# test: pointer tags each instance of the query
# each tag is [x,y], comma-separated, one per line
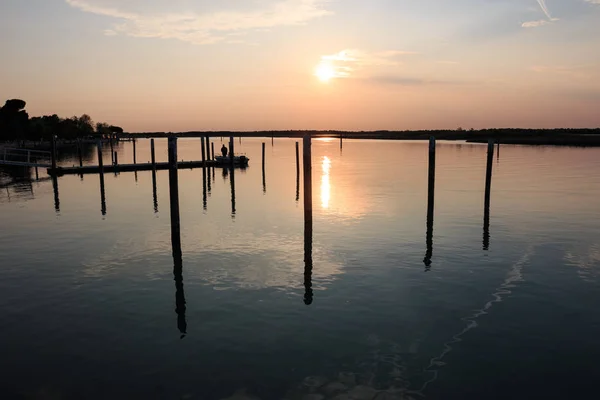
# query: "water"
[90,307]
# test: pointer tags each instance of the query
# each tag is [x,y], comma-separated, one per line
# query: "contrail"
[544,7]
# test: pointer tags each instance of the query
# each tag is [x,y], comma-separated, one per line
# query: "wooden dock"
[96,169]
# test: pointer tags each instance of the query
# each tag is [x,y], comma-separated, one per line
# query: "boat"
[238,161]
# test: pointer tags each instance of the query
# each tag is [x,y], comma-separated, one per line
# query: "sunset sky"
[180,65]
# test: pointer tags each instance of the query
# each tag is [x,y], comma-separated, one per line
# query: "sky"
[185,65]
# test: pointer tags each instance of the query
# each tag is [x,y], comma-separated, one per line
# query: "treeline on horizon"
[15,125]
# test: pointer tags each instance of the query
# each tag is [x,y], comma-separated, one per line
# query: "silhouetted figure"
[224,151]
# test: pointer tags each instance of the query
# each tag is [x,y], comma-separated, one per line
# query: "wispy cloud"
[586,72]
[200,27]
[400,80]
[542,22]
[344,63]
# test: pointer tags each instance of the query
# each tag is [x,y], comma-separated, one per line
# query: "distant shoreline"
[550,137]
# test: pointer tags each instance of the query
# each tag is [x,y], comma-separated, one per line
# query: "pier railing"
[25,157]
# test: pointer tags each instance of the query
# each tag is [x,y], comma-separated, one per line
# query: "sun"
[325,72]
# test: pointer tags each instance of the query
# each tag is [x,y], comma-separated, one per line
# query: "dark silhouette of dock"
[95,169]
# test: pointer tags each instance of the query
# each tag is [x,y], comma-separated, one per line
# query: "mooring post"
[53,155]
[498,150]
[430,204]
[297,160]
[116,158]
[203,150]
[308,221]
[341,143]
[263,156]
[112,150]
[176,237]
[37,176]
[174,196]
[152,154]
[272,140]
[488,189]
[208,148]
[212,147]
[231,155]
[80,152]
[134,152]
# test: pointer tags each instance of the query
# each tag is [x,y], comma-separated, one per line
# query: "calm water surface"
[90,308]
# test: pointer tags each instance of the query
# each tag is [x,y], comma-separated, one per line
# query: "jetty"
[96,169]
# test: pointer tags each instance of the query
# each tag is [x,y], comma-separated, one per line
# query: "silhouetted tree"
[14,120]
[103,129]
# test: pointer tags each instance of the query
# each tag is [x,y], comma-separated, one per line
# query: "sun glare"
[325,72]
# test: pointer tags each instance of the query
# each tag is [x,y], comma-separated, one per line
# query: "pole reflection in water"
[488,188]
[101,167]
[180,307]
[55,189]
[297,186]
[232,182]
[208,181]
[204,202]
[102,194]
[297,173]
[430,205]
[154,196]
[308,223]
[264,180]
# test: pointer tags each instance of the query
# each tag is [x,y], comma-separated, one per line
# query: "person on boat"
[224,151]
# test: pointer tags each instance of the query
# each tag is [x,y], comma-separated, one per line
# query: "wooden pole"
[308,221]
[112,150]
[297,160]
[100,161]
[488,189]
[80,153]
[174,195]
[430,204]
[53,155]
[263,156]
[231,155]
[208,147]
[152,154]
[212,147]
[176,237]
[116,158]
[203,149]
[134,153]
[341,144]
[272,141]
[498,151]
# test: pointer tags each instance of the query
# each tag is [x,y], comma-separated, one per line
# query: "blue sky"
[305,64]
